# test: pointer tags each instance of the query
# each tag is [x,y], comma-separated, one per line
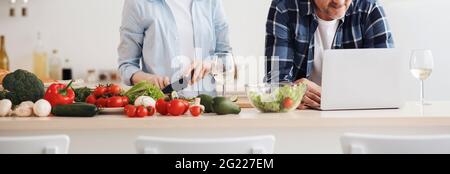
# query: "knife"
[178,85]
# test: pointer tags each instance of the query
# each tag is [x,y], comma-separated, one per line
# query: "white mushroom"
[42,108]
[145,101]
[23,111]
[5,107]
[28,104]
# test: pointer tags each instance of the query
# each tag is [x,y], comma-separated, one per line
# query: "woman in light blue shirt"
[162,40]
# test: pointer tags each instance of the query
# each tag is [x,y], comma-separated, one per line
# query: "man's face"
[332,9]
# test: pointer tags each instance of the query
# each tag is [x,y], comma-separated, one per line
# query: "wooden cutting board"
[243,102]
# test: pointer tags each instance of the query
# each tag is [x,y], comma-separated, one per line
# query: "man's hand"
[200,69]
[313,95]
[159,81]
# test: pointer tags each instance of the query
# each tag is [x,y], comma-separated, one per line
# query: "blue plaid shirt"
[291,25]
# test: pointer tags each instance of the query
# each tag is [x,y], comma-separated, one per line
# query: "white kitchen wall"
[86,31]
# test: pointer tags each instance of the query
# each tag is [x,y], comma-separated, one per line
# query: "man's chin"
[336,16]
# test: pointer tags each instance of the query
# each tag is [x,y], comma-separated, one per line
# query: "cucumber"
[75,110]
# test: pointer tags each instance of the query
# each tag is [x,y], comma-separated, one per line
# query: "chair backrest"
[56,144]
[237,145]
[384,144]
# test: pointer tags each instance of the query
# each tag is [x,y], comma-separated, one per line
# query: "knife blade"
[179,85]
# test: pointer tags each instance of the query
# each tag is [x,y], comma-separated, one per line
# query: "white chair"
[383,144]
[238,145]
[57,144]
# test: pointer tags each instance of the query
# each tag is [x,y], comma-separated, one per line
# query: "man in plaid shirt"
[298,32]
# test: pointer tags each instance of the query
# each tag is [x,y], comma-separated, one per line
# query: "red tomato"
[196,111]
[288,103]
[114,102]
[100,91]
[176,107]
[141,112]
[151,111]
[186,105]
[101,102]
[125,100]
[91,99]
[161,107]
[125,109]
[131,111]
[113,89]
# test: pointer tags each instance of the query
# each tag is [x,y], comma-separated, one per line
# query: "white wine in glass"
[421,73]
[421,66]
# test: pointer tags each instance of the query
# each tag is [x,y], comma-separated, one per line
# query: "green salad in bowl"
[276,97]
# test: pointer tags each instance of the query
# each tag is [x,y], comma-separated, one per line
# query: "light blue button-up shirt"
[149,40]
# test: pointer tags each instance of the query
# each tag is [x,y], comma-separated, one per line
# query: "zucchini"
[75,110]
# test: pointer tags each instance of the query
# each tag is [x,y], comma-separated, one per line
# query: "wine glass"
[421,66]
[223,69]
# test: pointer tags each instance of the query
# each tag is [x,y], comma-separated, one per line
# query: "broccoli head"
[3,95]
[23,86]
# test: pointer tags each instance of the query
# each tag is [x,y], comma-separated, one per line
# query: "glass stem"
[422,92]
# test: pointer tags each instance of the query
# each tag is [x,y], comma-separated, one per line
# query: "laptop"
[356,79]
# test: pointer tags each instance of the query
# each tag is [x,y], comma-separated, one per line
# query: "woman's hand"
[159,81]
[313,95]
[200,70]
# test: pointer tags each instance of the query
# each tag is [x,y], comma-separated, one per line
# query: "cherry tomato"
[151,110]
[114,102]
[125,100]
[161,107]
[141,112]
[125,109]
[288,103]
[101,102]
[100,91]
[176,107]
[196,111]
[131,111]
[91,99]
[113,89]
[186,105]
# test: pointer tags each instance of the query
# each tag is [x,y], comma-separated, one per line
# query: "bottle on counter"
[55,66]
[91,77]
[4,60]
[40,59]
[67,70]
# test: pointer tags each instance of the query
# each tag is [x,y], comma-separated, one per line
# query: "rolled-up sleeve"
[131,41]
[377,32]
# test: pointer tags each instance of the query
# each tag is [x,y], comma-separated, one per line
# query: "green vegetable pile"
[81,94]
[22,86]
[273,101]
[144,89]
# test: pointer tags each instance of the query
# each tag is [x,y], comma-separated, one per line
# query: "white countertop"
[411,115]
